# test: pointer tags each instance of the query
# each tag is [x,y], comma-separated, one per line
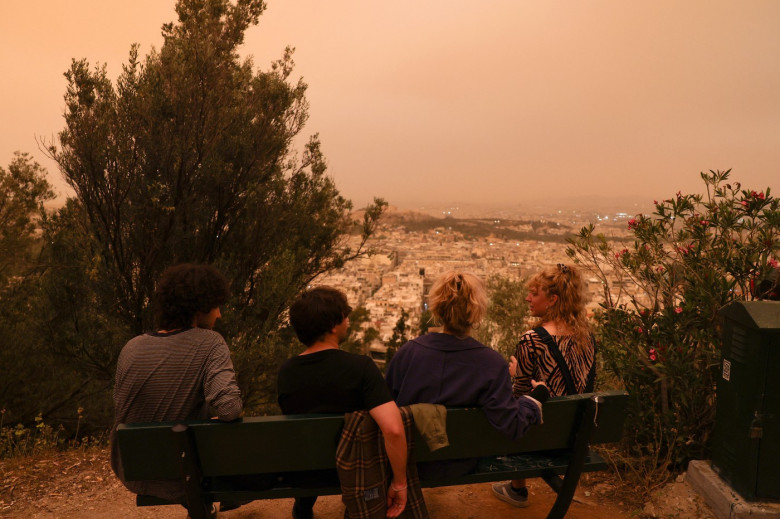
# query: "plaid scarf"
[365,473]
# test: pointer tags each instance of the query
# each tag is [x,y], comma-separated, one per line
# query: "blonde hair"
[458,301]
[565,281]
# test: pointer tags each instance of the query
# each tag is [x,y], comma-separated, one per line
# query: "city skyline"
[429,104]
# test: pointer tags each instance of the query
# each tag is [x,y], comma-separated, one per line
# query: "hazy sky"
[431,102]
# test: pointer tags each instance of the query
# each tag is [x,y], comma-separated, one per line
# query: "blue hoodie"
[439,368]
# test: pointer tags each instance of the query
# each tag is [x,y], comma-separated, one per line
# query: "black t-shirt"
[331,381]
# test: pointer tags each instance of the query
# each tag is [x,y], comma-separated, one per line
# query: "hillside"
[474,228]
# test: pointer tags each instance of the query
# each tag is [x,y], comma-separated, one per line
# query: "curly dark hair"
[316,312]
[185,289]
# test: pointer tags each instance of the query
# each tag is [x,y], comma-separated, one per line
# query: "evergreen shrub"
[687,260]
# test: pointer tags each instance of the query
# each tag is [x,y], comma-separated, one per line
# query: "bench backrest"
[273,444]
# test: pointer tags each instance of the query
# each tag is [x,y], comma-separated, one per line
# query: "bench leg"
[190,473]
[566,487]
[553,480]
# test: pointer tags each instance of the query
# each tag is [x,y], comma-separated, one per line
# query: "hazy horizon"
[504,103]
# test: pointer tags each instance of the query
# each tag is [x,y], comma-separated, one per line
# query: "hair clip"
[563,268]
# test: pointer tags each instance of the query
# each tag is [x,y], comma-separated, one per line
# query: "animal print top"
[534,361]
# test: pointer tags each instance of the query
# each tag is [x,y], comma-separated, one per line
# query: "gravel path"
[80,484]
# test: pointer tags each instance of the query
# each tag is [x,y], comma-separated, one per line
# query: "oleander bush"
[687,260]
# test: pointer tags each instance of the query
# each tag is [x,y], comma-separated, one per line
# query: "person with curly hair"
[559,351]
[180,371]
[452,368]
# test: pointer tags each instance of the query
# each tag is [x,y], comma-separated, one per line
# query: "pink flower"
[652,354]
[761,195]
[705,222]
[655,202]
[678,309]
[744,203]
[773,263]
[659,269]
[621,253]
[639,329]
[632,223]
[643,312]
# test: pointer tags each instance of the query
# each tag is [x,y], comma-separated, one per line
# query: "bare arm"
[388,418]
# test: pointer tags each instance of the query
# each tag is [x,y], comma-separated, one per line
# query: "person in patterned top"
[559,351]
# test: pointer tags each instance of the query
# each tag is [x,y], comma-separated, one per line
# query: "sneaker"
[506,493]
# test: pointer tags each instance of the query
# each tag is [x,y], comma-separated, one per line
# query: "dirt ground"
[80,484]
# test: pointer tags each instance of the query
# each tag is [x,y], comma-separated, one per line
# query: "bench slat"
[525,466]
[471,435]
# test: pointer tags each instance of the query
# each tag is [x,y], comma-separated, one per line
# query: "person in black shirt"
[324,379]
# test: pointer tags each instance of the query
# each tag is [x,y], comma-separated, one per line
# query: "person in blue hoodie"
[454,369]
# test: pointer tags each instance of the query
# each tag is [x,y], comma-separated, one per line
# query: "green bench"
[208,455]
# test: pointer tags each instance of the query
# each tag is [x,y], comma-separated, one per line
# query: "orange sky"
[433,102]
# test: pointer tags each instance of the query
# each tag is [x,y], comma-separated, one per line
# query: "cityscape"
[411,249]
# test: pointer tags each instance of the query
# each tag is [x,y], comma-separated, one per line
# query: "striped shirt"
[534,361]
[177,376]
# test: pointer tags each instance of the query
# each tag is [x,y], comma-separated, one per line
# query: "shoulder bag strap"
[547,339]
[592,373]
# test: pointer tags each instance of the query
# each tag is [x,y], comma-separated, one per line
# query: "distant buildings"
[398,276]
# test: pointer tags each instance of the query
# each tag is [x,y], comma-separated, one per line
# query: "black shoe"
[225,506]
[302,514]
[212,513]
